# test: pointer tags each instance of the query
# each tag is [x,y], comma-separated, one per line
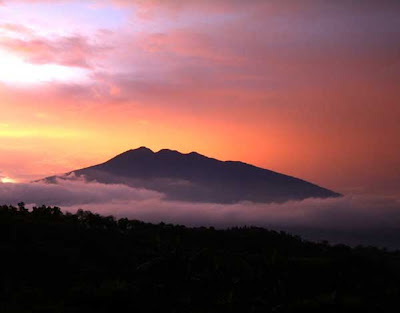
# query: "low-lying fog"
[352,219]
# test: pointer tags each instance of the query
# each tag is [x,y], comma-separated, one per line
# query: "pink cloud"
[74,51]
[15,28]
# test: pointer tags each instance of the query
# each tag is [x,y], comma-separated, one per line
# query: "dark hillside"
[55,262]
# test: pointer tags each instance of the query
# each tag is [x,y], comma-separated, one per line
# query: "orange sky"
[307,88]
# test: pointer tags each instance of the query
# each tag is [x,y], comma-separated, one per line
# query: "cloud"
[353,219]
[71,193]
[15,28]
[149,8]
[75,51]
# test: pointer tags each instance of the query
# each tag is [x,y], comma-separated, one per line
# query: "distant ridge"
[195,177]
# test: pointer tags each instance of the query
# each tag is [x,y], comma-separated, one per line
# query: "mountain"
[195,177]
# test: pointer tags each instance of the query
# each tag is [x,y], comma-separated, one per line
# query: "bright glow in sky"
[310,89]
[14,70]
[8,180]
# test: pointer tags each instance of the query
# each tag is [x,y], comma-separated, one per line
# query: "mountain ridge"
[195,177]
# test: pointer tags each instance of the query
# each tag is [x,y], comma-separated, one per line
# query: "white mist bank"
[352,219]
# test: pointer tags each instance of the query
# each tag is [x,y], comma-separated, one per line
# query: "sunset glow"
[8,180]
[16,71]
[200,155]
[308,90]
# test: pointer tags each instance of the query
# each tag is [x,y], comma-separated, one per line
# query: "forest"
[54,261]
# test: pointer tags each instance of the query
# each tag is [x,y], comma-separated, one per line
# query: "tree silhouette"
[85,262]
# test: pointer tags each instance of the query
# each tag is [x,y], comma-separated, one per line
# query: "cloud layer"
[350,219]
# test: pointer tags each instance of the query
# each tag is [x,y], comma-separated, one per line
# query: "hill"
[84,262]
[194,177]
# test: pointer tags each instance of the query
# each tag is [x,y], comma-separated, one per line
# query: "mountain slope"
[194,177]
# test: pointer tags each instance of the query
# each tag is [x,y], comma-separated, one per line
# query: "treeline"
[85,262]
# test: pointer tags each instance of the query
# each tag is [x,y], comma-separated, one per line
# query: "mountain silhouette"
[195,177]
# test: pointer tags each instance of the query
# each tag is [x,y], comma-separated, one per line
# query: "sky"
[306,88]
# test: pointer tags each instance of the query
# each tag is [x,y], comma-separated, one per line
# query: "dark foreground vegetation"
[83,262]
